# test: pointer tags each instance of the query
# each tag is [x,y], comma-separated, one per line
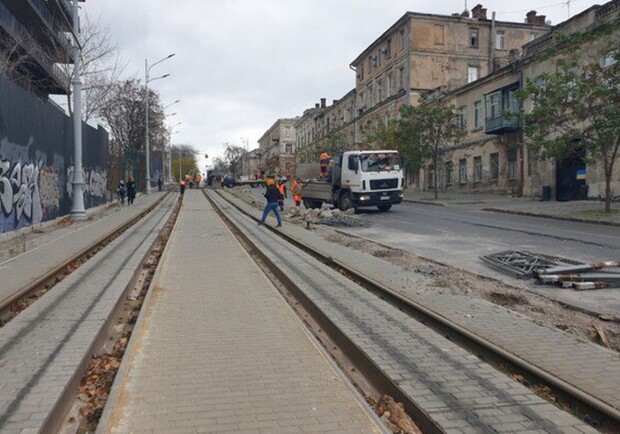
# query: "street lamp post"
[247,162]
[147,69]
[77,209]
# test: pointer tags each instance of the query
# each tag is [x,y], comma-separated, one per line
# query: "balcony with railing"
[502,111]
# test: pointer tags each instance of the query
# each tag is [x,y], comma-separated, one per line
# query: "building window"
[462,171]
[448,169]
[390,86]
[493,105]
[379,91]
[401,78]
[494,166]
[438,34]
[377,58]
[369,64]
[362,72]
[477,114]
[500,40]
[533,36]
[477,169]
[463,117]
[388,49]
[472,73]
[473,38]
[401,39]
[512,164]
[289,148]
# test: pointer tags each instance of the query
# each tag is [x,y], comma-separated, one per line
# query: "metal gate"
[570,178]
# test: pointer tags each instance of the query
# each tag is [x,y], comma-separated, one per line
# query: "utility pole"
[77,209]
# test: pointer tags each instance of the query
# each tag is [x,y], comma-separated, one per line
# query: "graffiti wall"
[36,160]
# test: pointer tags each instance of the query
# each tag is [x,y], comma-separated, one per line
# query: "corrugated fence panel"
[36,160]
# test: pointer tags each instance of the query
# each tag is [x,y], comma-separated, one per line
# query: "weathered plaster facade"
[277,147]
[493,156]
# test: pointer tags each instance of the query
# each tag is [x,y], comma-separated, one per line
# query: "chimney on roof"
[532,18]
[316,105]
[335,102]
[323,100]
[479,12]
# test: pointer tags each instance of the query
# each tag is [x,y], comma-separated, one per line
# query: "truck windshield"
[380,162]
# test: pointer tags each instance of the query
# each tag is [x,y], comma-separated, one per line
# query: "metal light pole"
[77,209]
[147,69]
[244,139]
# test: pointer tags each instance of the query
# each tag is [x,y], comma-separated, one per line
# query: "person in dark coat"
[121,192]
[160,183]
[272,194]
[131,190]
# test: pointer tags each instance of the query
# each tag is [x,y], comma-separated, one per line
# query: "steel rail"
[467,336]
[8,301]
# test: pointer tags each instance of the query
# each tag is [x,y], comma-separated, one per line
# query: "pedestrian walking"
[121,192]
[297,190]
[182,186]
[131,190]
[160,183]
[272,194]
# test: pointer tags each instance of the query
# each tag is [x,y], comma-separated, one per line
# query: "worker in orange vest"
[324,163]
[182,186]
[296,189]
[282,190]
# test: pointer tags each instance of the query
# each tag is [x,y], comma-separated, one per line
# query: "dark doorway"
[570,178]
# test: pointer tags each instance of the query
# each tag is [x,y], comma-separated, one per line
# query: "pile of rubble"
[326,215]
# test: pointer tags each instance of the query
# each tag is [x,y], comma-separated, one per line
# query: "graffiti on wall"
[31,193]
[20,201]
[95,182]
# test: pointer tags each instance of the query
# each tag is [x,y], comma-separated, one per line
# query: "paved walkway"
[217,349]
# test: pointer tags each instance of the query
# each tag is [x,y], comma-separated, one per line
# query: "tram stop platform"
[217,349]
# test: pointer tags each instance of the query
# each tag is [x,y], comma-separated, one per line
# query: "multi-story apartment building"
[277,147]
[421,52]
[494,156]
[418,53]
[325,127]
[33,39]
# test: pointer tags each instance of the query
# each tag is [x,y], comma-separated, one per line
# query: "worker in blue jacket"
[272,194]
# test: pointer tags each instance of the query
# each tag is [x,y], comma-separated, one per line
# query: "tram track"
[23,297]
[48,348]
[587,407]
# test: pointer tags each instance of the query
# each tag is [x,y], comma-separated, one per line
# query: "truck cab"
[359,179]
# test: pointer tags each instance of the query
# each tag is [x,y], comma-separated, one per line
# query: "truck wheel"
[345,201]
[384,207]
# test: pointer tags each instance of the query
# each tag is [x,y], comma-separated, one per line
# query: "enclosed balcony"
[502,111]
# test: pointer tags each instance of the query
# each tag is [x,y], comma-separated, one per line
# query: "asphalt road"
[459,235]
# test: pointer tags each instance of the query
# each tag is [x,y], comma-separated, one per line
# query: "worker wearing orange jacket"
[324,163]
[296,189]
[282,189]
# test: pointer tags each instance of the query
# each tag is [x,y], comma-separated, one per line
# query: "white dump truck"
[356,179]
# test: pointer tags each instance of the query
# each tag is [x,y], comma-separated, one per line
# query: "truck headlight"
[401,195]
[365,197]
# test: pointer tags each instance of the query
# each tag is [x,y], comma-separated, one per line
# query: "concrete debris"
[326,215]
[563,272]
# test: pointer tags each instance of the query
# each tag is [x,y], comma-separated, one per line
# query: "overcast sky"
[240,65]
